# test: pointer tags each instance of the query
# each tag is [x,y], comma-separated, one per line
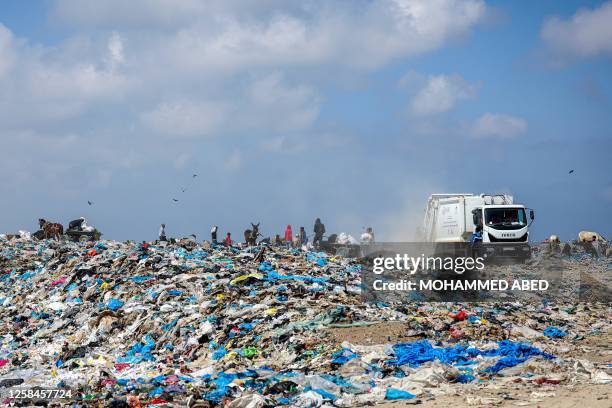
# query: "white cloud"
[112,63]
[58,83]
[115,51]
[281,107]
[499,126]
[588,33]
[238,34]
[440,94]
[133,13]
[7,53]
[186,118]
[267,104]
[139,71]
[53,160]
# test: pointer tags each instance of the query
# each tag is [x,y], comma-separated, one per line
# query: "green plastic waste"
[249,352]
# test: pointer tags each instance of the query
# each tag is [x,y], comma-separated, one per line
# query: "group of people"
[213,232]
[301,238]
[226,241]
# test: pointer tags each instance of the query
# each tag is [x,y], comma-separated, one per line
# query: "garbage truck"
[451,219]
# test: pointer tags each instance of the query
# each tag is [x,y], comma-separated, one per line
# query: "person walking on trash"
[228,239]
[213,234]
[162,232]
[288,235]
[319,230]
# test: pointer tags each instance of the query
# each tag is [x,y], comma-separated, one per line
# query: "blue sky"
[350,111]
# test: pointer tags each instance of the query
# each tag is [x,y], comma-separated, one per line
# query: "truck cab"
[451,220]
[505,230]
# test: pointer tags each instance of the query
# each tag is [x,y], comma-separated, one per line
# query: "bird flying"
[571,171]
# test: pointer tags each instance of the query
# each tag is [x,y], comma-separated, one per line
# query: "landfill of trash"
[203,325]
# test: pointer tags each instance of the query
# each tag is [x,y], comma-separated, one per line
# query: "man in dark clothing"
[319,230]
[76,225]
[213,234]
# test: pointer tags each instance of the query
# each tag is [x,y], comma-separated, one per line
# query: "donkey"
[50,229]
[250,235]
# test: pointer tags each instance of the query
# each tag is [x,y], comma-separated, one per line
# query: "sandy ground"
[555,396]
[379,333]
[597,349]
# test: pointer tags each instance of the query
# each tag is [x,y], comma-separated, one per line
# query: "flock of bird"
[184,189]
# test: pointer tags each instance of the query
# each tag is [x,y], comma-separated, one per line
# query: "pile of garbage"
[205,325]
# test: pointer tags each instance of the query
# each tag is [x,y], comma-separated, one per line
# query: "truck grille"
[519,239]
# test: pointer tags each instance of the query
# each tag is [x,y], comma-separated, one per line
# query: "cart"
[83,236]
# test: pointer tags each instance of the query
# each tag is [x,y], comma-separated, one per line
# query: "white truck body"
[452,218]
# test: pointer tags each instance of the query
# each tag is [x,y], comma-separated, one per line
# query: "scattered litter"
[176,322]
[554,332]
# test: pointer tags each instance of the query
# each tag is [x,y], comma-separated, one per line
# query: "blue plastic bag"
[554,333]
[395,394]
[115,304]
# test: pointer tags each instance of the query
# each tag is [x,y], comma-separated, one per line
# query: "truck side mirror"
[531,215]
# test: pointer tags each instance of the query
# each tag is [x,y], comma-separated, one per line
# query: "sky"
[351,111]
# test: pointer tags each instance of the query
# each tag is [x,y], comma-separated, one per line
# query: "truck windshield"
[505,218]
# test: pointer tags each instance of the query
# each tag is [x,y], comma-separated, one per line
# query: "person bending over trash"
[76,225]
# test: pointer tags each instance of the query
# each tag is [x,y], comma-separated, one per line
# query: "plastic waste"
[309,399]
[248,401]
[180,321]
[394,395]
[554,332]
[346,239]
[115,304]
